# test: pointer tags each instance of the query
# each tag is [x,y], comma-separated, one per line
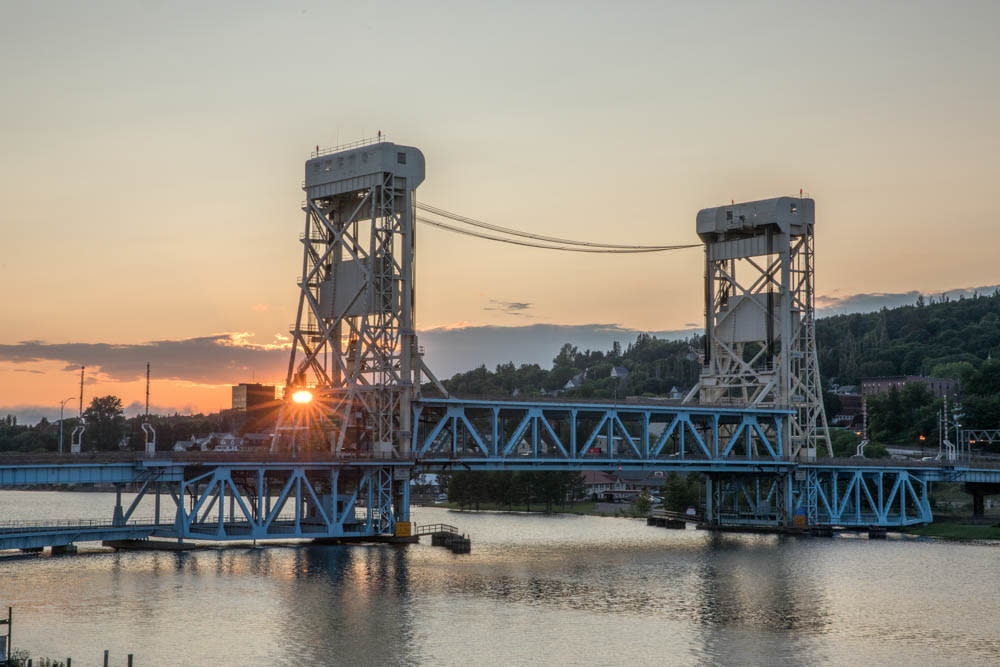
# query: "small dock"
[679,521]
[446,535]
[673,520]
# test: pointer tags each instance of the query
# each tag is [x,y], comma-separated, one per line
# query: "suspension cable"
[603,249]
[538,237]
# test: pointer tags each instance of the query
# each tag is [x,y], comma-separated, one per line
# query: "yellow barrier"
[404,529]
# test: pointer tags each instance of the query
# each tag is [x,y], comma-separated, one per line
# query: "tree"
[642,504]
[105,420]
[681,492]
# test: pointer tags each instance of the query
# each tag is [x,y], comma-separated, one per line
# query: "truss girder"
[867,496]
[567,434]
[755,500]
[283,502]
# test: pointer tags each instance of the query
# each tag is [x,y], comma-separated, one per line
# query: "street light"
[62,404]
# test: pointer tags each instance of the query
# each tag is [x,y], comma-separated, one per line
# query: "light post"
[62,404]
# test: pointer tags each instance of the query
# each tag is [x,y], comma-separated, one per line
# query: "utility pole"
[76,439]
[62,405]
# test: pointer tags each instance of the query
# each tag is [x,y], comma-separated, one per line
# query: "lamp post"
[62,404]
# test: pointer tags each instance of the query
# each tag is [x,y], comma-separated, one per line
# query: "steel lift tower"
[354,345]
[760,339]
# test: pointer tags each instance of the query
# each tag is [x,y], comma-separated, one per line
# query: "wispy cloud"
[216,359]
[509,307]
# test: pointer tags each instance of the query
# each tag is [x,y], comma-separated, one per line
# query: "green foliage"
[105,420]
[956,531]
[681,491]
[911,340]
[15,437]
[903,416]
[21,658]
[845,445]
[642,504]
[655,366]
[106,411]
[505,488]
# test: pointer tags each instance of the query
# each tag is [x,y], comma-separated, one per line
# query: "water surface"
[535,589]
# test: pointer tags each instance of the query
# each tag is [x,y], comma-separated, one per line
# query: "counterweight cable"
[536,237]
[600,249]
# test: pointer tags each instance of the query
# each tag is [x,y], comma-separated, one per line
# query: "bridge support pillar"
[979,491]
[403,508]
[119,517]
[978,505]
[709,500]
[788,506]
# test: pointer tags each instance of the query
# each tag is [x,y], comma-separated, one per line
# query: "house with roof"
[619,372]
[574,382]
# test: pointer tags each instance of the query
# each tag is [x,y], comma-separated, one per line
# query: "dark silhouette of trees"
[105,420]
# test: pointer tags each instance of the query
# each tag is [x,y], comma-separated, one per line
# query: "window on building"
[401,158]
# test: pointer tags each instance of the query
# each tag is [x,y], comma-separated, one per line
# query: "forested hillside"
[947,338]
[943,339]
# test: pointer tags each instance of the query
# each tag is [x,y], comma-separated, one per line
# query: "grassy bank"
[574,508]
[956,531]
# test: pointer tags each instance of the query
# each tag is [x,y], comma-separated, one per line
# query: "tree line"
[107,429]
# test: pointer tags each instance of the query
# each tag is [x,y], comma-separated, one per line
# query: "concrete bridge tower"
[760,339]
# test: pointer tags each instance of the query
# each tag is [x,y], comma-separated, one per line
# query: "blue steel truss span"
[222,497]
[492,434]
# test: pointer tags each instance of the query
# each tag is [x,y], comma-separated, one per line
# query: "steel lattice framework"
[353,341]
[760,340]
[561,435]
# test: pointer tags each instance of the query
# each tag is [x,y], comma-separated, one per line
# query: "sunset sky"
[152,154]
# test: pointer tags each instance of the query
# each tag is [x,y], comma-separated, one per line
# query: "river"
[535,590]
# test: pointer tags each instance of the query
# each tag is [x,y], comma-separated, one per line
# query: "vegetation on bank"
[586,507]
[107,429]
[956,531]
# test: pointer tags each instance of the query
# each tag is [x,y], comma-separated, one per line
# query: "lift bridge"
[363,412]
